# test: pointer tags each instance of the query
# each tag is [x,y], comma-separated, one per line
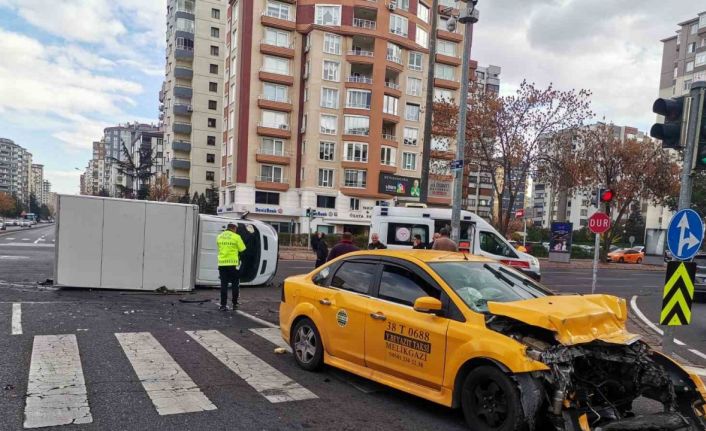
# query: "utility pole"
[428,105]
[468,17]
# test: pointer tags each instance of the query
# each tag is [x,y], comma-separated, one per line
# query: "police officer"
[230,245]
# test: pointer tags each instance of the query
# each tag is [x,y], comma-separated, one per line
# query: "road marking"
[696,370]
[697,353]
[56,390]
[257,319]
[169,387]
[636,310]
[273,335]
[39,239]
[5,257]
[16,318]
[9,239]
[265,379]
[21,244]
[25,239]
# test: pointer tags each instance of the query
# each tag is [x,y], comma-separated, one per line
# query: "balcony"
[394,59]
[183,182]
[278,20]
[393,89]
[183,109]
[446,83]
[183,91]
[183,72]
[265,102]
[271,156]
[447,35]
[364,23]
[183,146]
[184,52]
[272,48]
[182,128]
[361,79]
[360,55]
[274,130]
[180,164]
[273,183]
[276,76]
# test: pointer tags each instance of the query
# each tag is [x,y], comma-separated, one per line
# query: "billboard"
[560,240]
[440,189]
[398,185]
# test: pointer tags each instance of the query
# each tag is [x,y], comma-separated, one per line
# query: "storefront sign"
[267,210]
[397,185]
[440,189]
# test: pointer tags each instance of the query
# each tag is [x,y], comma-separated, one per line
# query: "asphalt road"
[118,396]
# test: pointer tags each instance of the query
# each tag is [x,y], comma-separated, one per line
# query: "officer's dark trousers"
[229,276]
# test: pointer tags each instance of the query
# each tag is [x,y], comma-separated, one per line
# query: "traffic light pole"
[691,108]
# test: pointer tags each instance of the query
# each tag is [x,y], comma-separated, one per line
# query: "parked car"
[640,248]
[700,282]
[626,255]
[25,223]
[2,225]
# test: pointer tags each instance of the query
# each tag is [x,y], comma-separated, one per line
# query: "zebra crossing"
[57,390]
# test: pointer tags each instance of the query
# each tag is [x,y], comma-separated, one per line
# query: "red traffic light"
[607,195]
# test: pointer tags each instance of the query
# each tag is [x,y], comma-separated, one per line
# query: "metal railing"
[398,32]
[360,79]
[271,179]
[394,59]
[274,126]
[274,99]
[277,15]
[273,43]
[272,152]
[393,85]
[358,132]
[361,52]
[364,23]
[389,137]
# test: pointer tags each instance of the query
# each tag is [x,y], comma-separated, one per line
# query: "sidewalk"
[296,253]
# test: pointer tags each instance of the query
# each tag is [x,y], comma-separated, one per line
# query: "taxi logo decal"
[342,318]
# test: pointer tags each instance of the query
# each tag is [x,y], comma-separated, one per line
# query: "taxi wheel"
[491,401]
[621,260]
[306,345]
[639,260]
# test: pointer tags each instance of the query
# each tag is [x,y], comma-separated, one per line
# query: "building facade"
[192,94]
[15,170]
[37,187]
[324,109]
[488,78]
[46,193]
[684,57]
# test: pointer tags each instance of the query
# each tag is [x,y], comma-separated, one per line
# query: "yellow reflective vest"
[230,245]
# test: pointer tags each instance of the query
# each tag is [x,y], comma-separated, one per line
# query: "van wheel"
[307,346]
[491,401]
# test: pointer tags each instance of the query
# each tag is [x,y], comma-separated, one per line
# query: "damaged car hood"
[574,319]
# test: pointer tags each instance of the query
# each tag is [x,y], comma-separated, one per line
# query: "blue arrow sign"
[685,234]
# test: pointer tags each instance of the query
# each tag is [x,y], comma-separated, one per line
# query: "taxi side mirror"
[427,304]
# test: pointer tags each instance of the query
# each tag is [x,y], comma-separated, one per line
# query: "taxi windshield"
[477,283]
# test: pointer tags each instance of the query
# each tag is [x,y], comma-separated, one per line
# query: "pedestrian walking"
[444,243]
[417,242]
[344,246]
[321,250]
[375,243]
[230,246]
[315,241]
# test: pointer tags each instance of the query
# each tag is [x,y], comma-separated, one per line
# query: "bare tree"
[160,190]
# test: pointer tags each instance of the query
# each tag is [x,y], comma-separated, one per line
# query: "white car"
[25,223]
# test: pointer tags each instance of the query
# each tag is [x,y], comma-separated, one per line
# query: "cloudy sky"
[69,68]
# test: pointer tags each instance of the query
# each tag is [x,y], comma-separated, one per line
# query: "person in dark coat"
[315,241]
[344,246]
[321,250]
[417,242]
[375,243]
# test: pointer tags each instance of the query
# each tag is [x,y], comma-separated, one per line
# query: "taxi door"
[400,341]
[345,307]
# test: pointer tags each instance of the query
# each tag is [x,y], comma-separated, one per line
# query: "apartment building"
[488,78]
[15,170]
[684,57]
[147,150]
[324,109]
[46,198]
[98,175]
[192,94]
[37,182]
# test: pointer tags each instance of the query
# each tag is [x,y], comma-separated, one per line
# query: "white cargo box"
[124,244]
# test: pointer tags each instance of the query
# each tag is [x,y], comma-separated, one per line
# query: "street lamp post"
[468,18]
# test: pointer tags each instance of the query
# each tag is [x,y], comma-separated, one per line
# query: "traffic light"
[308,212]
[700,157]
[671,132]
[607,196]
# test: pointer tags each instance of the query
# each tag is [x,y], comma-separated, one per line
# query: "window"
[687,84]
[212,105]
[387,156]
[354,204]
[356,152]
[328,15]
[325,201]
[443,95]
[491,243]
[415,61]
[266,198]
[702,21]
[210,158]
[403,286]
[213,68]
[403,234]
[325,178]
[216,13]
[389,104]
[186,25]
[358,99]
[444,71]
[275,65]
[355,277]
[271,174]
[409,161]
[689,67]
[446,48]
[329,98]
[212,122]
[398,25]
[210,176]
[423,12]
[327,151]
[272,147]
[276,37]
[303,125]
[412,112]
[185,44]
[214,50]
[700,59]
[422,37]
[355,178]
[411,134]
[414,86]
[211,141]
[275,119]
[394,53]
[690,48]
[331,70]
[694,29]
[185,6]
[278,10]
[328,124]
[213,87]
[215,32]
[356,125]
[275,92]
[332,43]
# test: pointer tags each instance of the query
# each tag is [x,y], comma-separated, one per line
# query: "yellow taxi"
[466,331]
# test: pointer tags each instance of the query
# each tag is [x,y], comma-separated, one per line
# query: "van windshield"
[477,283]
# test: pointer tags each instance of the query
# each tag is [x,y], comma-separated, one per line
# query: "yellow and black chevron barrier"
[678,293]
